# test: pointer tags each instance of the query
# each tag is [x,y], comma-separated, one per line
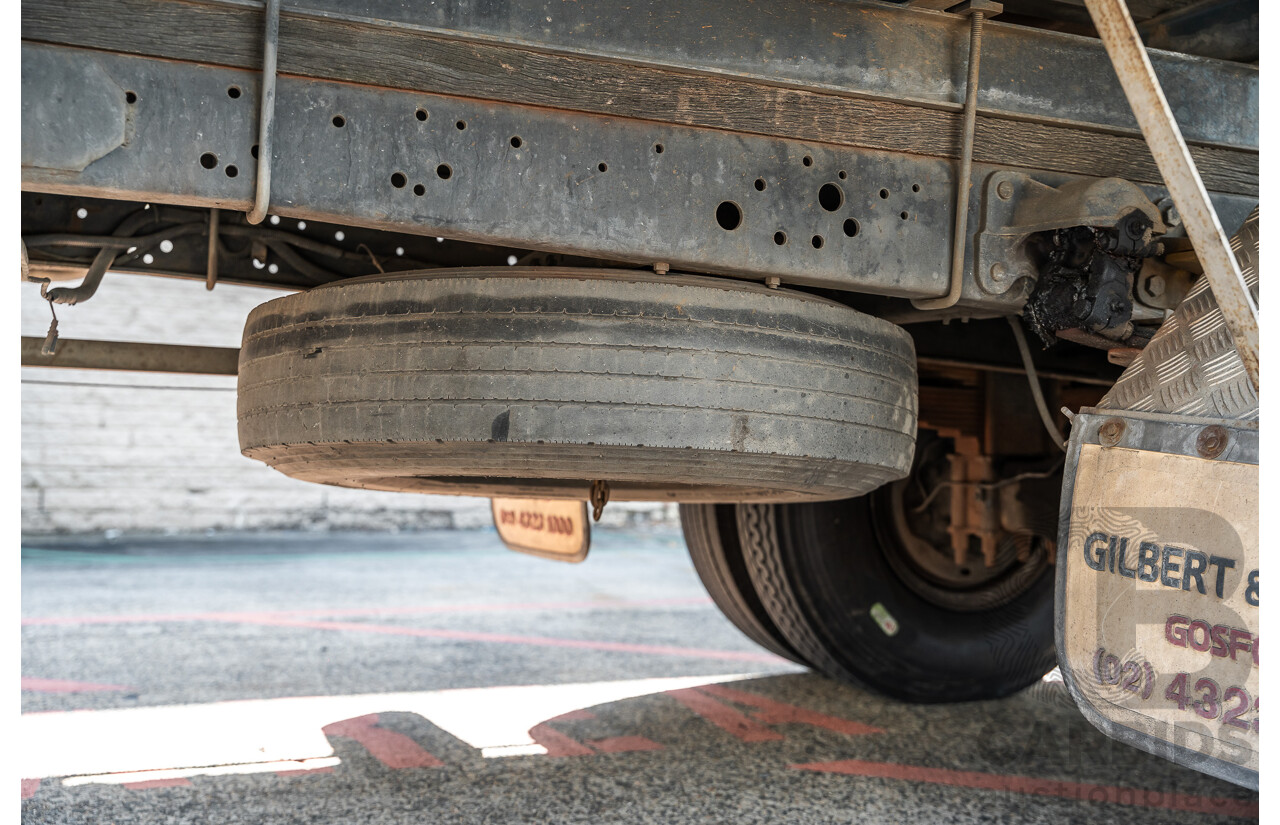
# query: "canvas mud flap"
[549,528]
[1157,600]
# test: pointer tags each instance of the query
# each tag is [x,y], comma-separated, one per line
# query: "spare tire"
[537,382]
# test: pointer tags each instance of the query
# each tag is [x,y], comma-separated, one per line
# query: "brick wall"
[149,452]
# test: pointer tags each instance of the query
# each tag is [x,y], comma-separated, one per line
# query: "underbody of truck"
[834,275]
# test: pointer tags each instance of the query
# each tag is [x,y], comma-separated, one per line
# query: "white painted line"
[233,735]
[212,770]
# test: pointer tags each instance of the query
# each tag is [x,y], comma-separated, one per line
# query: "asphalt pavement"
[437,678]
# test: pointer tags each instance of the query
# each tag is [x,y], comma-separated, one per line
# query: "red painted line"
[624,744]
[1078,791]
[395,750]
[556,743]
[772,712]
[362,611]
[146,784]
[538,641]
[305,771]
[64,686]
[724,717]
[29,788]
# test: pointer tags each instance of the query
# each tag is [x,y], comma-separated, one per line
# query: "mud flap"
[1157,585]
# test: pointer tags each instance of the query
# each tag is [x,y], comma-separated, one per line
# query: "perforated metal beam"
[697,199]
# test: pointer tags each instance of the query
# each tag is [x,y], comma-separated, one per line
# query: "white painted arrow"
[258,735]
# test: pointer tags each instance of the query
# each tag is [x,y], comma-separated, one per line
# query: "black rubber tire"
[711,534]
[539,381]
[819,568]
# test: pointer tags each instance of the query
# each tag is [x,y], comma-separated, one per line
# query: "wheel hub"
[958,567]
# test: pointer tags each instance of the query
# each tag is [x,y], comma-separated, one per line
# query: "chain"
[599,498]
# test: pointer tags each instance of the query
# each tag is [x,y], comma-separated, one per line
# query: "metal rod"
[140,243]
[102,261]
[211,273]
[957,363]
[1164,138]
[966,170]
[267,113]
[128,355]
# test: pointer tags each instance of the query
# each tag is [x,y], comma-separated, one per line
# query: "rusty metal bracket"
[1160,128]
[1017,206]
[1161,286]
[266,115]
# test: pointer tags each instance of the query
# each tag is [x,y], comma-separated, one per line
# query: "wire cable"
[1036,391]
[986,485]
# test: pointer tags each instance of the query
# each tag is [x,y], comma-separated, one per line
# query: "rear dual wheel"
[866,590]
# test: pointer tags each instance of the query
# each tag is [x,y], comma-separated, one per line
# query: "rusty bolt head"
[1004,189]
[1155,285]
[1110,433]
[1212,441]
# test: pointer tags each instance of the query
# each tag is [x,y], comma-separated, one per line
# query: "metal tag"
[1157,603]
[550,528]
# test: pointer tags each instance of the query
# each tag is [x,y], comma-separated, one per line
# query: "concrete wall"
[149,452]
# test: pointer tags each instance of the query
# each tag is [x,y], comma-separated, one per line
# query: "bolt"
[1004,189]
[773,282]
[1212,441]
[999,272]
[1172,216]
[1110,433]
[661,268]
[1155,286]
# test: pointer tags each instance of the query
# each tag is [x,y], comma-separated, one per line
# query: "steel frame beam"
[132,356]
[509,174]
[513,175]
[719,164]
[555,53]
